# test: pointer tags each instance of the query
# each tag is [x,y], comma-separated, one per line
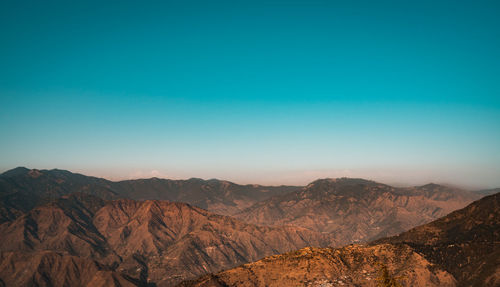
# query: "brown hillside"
[353,265]
[151,241]
[48,268]
[466,242]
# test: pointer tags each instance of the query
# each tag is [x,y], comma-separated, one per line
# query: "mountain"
[138,232]
[215,195]
[21,189]
[466,242]
[484,192]
[357,210]
[153,241]
[353,265]
[460,249]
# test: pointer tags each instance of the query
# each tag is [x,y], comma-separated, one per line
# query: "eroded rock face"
[150,241]
[354,265]
[357,210]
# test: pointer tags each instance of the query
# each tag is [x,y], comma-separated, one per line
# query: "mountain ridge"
[21,189]
[357,210]
[459,249]
[466,242]
[148,241]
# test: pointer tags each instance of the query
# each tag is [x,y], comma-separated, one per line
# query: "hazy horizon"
[385,178]
[253,91]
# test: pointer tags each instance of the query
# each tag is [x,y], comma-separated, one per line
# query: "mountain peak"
[431,186]
[341,181]
[16,171]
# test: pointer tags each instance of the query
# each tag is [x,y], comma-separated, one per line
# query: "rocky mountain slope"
[148,241]
[21,189]
[460,249]
[48,268]
[466,242]
[357,210]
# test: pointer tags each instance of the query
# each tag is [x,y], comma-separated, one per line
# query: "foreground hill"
[460,249]
[21,189]
[357,210]
[353,265]
[148,241]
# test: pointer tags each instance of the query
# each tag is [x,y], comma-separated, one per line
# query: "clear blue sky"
[253,91]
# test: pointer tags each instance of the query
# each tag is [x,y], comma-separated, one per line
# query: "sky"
[270,92]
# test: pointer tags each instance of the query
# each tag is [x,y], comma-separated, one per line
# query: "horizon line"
[115,179]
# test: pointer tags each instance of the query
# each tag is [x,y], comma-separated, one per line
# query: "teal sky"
[253,91]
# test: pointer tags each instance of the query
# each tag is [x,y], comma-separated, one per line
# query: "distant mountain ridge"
[353,210]
[21,189]
[487,191]
[357,210]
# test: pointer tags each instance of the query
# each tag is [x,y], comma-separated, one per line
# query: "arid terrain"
[466,242]
[353,265]
[357,210]
[59,228]
[460,249]
[150,241]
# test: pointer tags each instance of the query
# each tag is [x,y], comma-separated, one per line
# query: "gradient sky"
[253,91]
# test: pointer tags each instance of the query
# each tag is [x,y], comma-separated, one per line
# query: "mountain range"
[60,228]
[466,242]
[149,241]
[460,249]
[21,189]
[357,210]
